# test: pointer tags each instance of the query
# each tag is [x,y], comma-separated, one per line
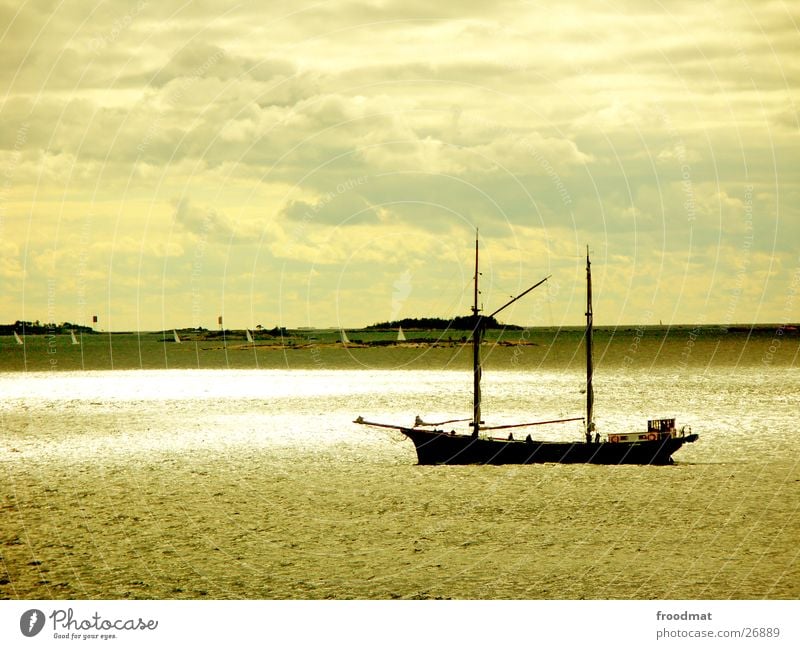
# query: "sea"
[254,482]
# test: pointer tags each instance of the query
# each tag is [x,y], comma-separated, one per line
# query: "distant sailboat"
[345,340]
[17,338]
[401,337]
[74,339]
[249,335]
[177,338]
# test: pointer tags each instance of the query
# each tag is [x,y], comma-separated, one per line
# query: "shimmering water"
[256,484]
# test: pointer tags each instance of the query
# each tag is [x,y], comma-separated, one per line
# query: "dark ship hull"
[438,447]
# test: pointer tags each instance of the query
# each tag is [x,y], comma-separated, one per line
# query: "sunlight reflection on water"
[741,416]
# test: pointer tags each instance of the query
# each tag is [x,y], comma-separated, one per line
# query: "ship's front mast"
[477,337]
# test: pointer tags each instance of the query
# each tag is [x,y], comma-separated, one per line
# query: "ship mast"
[589,365]
[477,335]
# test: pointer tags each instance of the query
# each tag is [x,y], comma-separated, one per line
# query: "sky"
[328,163]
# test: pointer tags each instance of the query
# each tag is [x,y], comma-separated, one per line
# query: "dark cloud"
[203,60]
[344,205]
[203,222]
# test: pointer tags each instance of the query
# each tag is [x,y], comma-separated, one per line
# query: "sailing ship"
[18,339]
[401,337]
[249,336]
[435,445]
[73,338]
[176,336]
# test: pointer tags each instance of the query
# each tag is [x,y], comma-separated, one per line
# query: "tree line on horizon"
[459,323]
[35,327]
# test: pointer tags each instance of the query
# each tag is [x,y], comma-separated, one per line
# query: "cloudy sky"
[327,163]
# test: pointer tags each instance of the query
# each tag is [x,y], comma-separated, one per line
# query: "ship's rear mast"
[477,336]
[589,361]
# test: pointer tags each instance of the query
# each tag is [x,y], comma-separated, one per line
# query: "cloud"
[202,221]
[344,206]
[10,267]
[204,60]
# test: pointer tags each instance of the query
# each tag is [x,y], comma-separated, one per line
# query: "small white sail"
[345,340]
[17,338]
[249,335]
[177,338]
[400,335]
[74,339]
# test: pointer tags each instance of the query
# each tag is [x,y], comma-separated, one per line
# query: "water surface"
[256,484]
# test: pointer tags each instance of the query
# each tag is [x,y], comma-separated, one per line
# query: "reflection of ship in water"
[434,445]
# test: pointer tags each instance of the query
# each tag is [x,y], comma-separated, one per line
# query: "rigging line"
[419,422]
[453,303]
[533,423]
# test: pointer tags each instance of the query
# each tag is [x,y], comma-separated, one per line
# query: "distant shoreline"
[636,347]
[200,333]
